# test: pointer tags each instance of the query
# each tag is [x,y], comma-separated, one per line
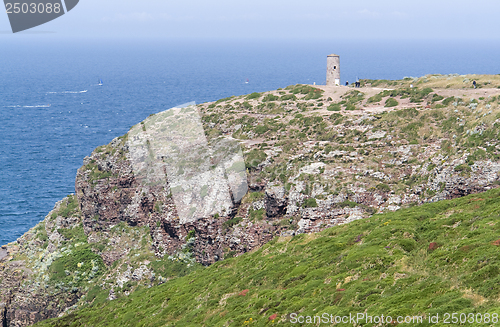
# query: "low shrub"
[254,95]
[391,102]
[310,203]
[334,107]
[254,158]
[270,97]
[383,187]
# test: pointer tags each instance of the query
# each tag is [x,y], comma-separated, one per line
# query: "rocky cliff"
[315,157]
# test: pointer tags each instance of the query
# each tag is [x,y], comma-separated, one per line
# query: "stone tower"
[333,70]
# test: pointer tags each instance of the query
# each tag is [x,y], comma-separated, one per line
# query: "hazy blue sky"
[458,19]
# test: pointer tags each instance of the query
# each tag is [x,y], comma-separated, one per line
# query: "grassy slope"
[381,264]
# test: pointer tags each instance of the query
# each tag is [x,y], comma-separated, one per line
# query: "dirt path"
[472,93]
[335,92]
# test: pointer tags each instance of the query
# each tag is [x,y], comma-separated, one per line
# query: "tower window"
[334,67]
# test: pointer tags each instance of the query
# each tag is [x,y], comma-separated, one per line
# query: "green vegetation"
[349,101]
[261,129]
[436,98]
[270,97]
[246,105]
[463,168]
[256,214]
[347,204]
[224,99]
[353,97]
[253,196]
[254,158]
[287,97]
[309,91]
[74,235]
[254,95]
[448,101]
[96,173]
[375,98]
[334,107]
[391,102]
[378,82]
[479,154]
[350,106]
[231,222]
[68,208]
[159,204]
[407,113]
[41,233]
[76,269]
[314,94]
[191,234]
[415,94]
[383,187]
[436,258]
[310,203]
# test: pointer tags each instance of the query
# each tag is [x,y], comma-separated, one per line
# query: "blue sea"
[53,113]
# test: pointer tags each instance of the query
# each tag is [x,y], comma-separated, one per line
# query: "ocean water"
[53,113]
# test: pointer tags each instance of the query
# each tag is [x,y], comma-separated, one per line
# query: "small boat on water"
[247,81]
[100,82]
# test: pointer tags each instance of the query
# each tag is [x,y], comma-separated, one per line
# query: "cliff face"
[315,157]
[120,197]
[27,293]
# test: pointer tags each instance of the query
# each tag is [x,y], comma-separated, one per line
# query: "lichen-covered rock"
[26,296]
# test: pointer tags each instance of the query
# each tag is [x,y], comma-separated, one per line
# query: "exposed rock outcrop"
[276,201]
[307,169]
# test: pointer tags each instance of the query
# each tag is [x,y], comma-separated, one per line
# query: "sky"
[277,19]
